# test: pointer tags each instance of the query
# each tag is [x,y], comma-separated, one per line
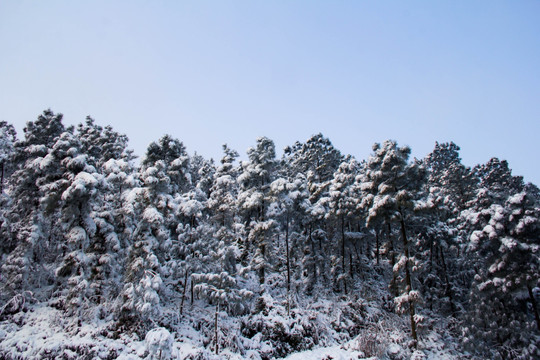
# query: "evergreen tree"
[317,154]
[8,137]
[254,179]
[343,204]
[504,250]
[289,208]
[391,185]
[21,269]
[102,144]
[317,159]
[449,189]
[202,173]
[142,278]
[164,174]
[108,151]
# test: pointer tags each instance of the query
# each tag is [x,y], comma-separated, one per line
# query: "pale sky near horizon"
[214,72]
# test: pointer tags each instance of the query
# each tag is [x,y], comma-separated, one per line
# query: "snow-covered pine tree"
[503,251]
[102,144]
[391,185]
[8,137]
[451,183]
[28,226]
[255,178]
[116,221]
[317,154]
[202,173]
[195,239]
[142,277]
[107,151]
[222,205]
[224,191]
[289,208]
[164,174]
[69,190]
[317,159]
[343,204]
[218,275]
[450,187]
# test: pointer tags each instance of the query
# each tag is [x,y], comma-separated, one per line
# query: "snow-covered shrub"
[159,343]
[274,334]
[350,318]
[371,342]
[16,304]
[396,352]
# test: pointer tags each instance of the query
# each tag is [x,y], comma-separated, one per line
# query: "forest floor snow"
[43,332]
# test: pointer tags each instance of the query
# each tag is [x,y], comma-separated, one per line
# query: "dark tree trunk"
[343,253]
[287,253]
[216,328]
[535,307]
[351,272]
[192,291]
[408,279]
[1,177]
[184,293]
[377,251]
[288,263]
[448,286]
[312,243]
[261,270]
[393,285]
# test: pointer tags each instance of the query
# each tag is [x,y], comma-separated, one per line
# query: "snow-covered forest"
[314,255]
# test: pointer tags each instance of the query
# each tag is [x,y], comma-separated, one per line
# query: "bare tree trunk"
[287,254]
[408,279]
[184,293]
[377,251]
[262,275]
[448,286]
[343,253]
[315,278]
[216,329]
[192,291]
[393,285]
[1,178]
[351,272]
[288,263]
[535,307]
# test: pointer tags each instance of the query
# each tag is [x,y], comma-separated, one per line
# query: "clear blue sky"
[214,72]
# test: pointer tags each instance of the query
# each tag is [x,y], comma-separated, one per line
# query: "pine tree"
[253,201]
[164,174]
[449,189]
[391,185]
[504,250]
[316,159]
[102,144]
[317,154]
[343,204]
[107,151]
[202,173]
[224,191]
[21,269]
[69,189]
[289,208]
[8,137]
[142,278]
[451,183]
